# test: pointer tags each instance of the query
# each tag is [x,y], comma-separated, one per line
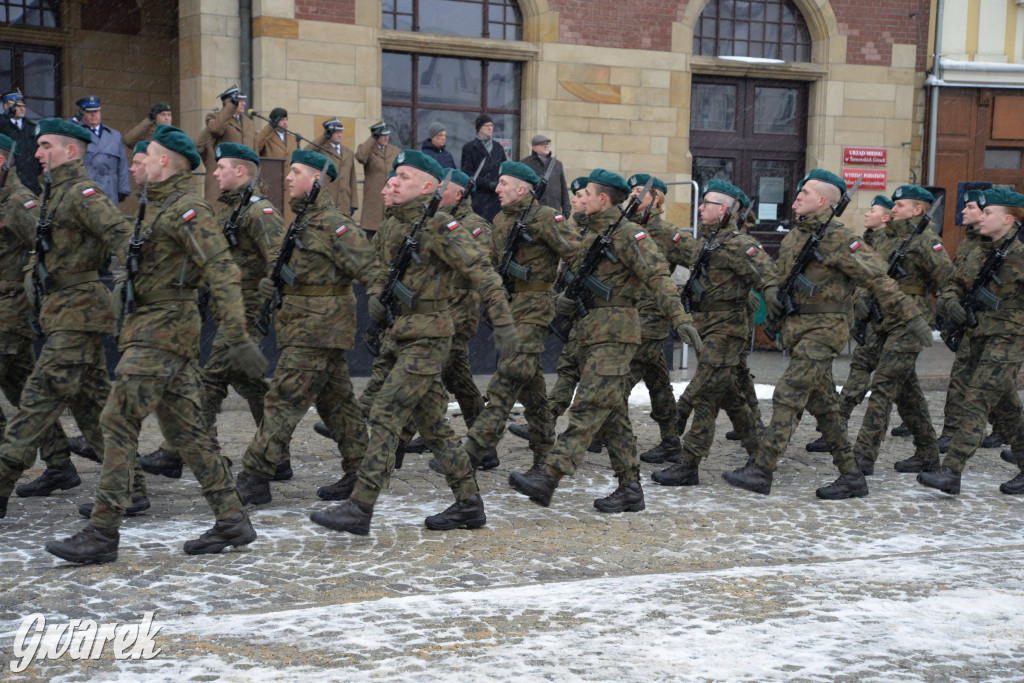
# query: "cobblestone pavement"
[709,582]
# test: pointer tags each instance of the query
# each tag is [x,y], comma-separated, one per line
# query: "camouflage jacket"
[260,230]
[737,264]
[86,226]
[332,252]
[182,248]
[465,303]
[678,248]
[641,271]
[846,263]
[446,249]
[532,302]
[19,210]
[972,238]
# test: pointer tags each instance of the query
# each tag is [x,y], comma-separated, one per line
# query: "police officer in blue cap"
[105,158]
[21,130]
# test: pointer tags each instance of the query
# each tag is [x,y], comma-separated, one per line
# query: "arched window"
[499,19]
[44,13]
[770,29]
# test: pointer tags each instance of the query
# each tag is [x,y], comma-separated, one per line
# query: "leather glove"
[564,306]
[753,301]
[30,288]
[506,340]
[117,299]
[772,303]
[247,359]
[688,333]
[861,310]
[954,312]
[378,312]
[353,211]
[121,196]
[921,330]
[266,288]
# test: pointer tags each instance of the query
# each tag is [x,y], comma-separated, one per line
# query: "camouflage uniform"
[895,377]
[820,331]
[182,248]
[19,211]
[71,370]
[315,327]
[521,376]
[417,345]
[609,336]
[568,366]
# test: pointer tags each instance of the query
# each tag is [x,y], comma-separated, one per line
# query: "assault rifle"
[41,278]
[509,270]
[472,184]
[584,279]
[6,168]
[133,260]
[231,225]
[979,296]
[283,275]
[693,291]
[895,271]
[796,278]
[395,292]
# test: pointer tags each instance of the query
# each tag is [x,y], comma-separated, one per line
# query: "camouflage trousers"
[307,376]
[16,363]
[598,408]
[992,388]
[148,380]
[568,370]
[650,366]
[807,383]
[959,376]
[744,386]
[519,376]
[409,386]
[457,377]
[716,387]
[71,372]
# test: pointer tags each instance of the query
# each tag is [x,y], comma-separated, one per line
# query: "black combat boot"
[681,419]
[943,479]
[79,446]
[321,429]
[849,485]
[351,516]
[400,456]
[91,545]
[1007,456]
[535,483]
[283,470]
[489,460]
[866,464]
[732,435]
[944,441]
[3,506]
[818,445]
[161,462]
[902,430]
[417,445]
[751,477]
[917,463]
[139,505]
[1013,487]
[681,474]
[61,476]
[993,440]
[627,498]
[468,513]
[235,530]
[339,490]
[253,490]
[596,445]
[522,431]
[668,449]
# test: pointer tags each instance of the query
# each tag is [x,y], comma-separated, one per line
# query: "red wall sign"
[873,179]
[875,156]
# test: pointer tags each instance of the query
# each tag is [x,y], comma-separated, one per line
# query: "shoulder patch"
[854,245]
[678,237]
[453,225]
[559,218]
[341,230]
[751,251]
[30,204]
[89,191]
[477,230]
[188,215]
[937,246]
[640,235]
[269,209]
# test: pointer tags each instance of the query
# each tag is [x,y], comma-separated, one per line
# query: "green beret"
[882,201]
[177,141]
[141,147]
[62,127]
[315,160]
[419,160]
[825,177]
[6,143]
[722,187]
[579,184]
[998,196]
[743,200]
[976,196]
[460,178]
[915,192]
[520,171]
[640,179]
[390,176]
[603,177]
[234,150]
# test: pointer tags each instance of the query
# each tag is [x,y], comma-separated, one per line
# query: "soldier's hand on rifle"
[860,309]
[266,287]
[772,303]
[951,310]
[117,300]
[753,301]
[688,333]
[378,312]
[246,358]
[506,339]
[30,286]
[921,330]
[564,306]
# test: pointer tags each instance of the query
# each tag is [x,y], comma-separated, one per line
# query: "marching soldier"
[608,340]
[315,330]
[175,248]
[818,330]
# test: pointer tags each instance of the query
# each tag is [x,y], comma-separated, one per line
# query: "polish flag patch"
[937,246]
[30,204]
[453,225]
[477,231]
[268,210]
[341,231]
[855,245]
[189,215]
[751,251]
[640,235]
[678,237]
[559,218]
[89,191]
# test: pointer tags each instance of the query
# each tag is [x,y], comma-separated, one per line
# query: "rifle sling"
[70,279]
